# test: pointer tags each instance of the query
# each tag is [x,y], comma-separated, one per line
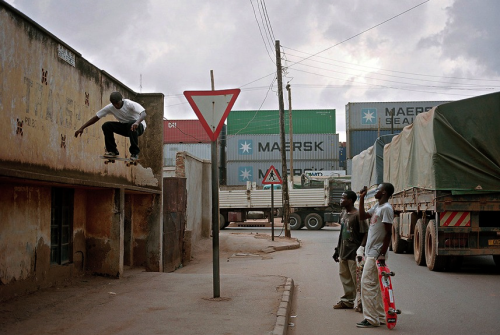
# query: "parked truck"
[445,169]
[313,202]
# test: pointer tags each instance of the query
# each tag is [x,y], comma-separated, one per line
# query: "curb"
[283,314]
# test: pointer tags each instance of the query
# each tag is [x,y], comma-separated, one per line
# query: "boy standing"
[381,216]
[352,232]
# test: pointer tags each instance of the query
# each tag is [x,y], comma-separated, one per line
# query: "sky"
[333,51]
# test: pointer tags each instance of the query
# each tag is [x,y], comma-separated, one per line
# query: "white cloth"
[371,295]
[376,234]
[130,111]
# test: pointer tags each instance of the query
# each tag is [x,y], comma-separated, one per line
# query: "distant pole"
[284,175]
[290,128]
[215,208]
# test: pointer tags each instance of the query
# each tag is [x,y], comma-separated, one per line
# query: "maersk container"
[305,121]
[238,173]
[184,131]
[377,115]
[360,140]
[267,147]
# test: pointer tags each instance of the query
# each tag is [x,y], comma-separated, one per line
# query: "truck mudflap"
[460,233]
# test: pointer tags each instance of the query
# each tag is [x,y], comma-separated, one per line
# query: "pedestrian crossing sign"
[272,177]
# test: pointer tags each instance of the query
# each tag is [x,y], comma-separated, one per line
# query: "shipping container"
[184,131]
[375,115]
[360,140]
[238,173]
[200,150]
[342,157]
[267,147]
[304,121]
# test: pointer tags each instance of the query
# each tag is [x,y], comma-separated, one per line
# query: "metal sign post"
[212,109]
[272,178]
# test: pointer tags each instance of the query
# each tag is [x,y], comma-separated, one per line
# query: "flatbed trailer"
[440,228]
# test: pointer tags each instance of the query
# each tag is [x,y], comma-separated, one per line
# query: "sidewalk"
[163,303]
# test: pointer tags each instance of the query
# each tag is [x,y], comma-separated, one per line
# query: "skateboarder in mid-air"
[131,124]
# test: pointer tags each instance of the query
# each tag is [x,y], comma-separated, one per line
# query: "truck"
[313,202]
[445,169]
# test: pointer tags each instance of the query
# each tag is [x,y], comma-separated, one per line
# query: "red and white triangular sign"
[212,108]
[272,177]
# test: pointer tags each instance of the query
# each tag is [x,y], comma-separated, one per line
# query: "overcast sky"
[439,50]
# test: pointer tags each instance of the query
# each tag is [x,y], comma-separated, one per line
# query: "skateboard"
[391,313]
[127,161]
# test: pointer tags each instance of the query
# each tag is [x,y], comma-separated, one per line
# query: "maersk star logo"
[368,116]
[245,147]
[245,173]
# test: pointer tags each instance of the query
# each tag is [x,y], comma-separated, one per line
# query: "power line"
[386,70]
[364,31]
[263,40]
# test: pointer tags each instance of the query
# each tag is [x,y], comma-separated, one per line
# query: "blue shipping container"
[360,140]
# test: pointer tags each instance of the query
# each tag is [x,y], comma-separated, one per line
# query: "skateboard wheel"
[106,162]
[391,273]
[398,311]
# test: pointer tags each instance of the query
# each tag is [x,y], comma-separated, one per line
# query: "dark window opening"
[61,226]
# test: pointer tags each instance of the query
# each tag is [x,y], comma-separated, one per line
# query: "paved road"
[462,302]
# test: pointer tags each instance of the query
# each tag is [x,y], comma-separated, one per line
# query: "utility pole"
[215,210]
[284,175]
[290,127]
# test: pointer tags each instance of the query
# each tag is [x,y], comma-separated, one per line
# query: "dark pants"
[111,127]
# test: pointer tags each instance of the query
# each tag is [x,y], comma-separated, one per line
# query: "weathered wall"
[25,241]
[174,223]
[199,200]
[48,91]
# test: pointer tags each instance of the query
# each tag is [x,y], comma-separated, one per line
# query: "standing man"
[352,232]
[131,124]
[381,216]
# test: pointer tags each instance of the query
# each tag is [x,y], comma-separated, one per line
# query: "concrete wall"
[47,91]
[199,200]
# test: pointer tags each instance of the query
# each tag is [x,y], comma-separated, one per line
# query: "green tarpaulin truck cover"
[454,146]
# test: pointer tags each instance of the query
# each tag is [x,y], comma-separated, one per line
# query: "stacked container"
[366,121]
[253,143]
[185,135]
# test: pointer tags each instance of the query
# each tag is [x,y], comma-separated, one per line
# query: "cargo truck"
[445,168]
[313,202]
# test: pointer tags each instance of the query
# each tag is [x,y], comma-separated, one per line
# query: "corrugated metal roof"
[184,131]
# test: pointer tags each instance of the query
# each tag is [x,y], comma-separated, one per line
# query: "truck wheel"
[398,245]
[434,262]
[222,222]
[314,221]
[295,221]
[419,243]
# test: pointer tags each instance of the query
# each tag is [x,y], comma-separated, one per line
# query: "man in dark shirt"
[352,232]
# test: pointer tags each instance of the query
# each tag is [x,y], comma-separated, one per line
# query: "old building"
[63,211]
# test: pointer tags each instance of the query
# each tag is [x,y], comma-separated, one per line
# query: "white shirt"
[380,215]
[130,111]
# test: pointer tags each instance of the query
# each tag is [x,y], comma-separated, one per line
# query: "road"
[462,302]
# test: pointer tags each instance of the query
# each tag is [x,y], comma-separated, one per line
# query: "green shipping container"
[305,121]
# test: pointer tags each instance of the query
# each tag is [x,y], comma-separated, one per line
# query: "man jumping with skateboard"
[131,124]
[381,216]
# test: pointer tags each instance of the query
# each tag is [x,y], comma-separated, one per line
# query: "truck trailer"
[445,169]
[313,202]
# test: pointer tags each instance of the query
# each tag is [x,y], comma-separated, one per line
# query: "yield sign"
[212,108]
[272,177]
